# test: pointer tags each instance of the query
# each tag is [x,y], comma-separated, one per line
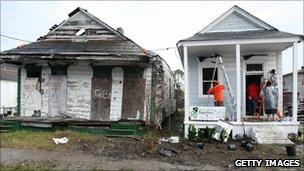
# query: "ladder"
[227,85]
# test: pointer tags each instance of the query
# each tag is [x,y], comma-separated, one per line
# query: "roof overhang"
[228,46]
[240,41]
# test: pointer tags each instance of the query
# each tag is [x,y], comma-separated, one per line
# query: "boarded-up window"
[207,74]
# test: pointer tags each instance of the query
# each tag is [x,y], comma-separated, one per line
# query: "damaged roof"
[113,47]
[82,34]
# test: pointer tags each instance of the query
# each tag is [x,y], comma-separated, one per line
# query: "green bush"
[192,133]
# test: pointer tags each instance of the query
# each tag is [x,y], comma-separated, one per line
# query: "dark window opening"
[33,71]
[132,72]
[102,71]
[59,69]
[207,74]
[254,67]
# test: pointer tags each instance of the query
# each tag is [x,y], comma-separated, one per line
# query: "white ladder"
[228,85]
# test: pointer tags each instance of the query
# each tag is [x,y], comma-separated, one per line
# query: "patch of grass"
[42,140]
[27,167]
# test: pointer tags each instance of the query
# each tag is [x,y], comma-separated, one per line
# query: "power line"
[13,38]
[167,48]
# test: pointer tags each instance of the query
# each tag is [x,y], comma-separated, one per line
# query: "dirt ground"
[96,152]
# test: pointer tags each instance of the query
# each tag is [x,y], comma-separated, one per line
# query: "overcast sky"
[151,24]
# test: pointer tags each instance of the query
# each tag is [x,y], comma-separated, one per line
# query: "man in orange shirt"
[218,91]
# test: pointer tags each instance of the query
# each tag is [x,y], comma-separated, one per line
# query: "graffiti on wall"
[102,94]
[58,86]
[31,96]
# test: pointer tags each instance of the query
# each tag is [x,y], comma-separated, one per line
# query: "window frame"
[200,79]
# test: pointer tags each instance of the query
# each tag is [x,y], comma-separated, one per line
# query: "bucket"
[291,150]
[200,145]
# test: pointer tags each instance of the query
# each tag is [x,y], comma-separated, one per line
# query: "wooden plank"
[133,97]
[101,98]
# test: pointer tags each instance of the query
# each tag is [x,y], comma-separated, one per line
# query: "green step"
[121,132]
[11,125]
[2,127]
[127,126]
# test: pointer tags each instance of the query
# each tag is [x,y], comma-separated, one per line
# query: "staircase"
[270,135]
[122,129]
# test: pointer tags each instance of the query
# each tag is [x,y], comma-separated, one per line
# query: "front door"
[101,98]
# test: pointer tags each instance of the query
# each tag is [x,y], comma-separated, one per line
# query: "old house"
[287,86]
[249,49]
[85,69]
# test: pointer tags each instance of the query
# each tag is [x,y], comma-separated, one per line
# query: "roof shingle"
[239,35]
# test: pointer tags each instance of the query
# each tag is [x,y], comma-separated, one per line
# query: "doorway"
[255,79]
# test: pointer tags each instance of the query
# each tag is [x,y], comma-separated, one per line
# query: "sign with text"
[207,113]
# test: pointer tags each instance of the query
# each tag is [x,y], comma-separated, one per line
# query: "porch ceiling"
[245,49]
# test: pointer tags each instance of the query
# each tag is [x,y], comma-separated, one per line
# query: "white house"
[8,88]
[249,48]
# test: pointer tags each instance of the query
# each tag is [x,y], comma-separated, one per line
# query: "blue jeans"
[252,106]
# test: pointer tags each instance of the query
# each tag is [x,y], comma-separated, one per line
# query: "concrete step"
[269,135]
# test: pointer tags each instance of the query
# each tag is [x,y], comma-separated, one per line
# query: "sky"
[151,24]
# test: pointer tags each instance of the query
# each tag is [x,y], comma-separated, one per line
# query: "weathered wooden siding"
[57,98]
[117,93]
[133,98]
[45,89]
[79,90]
[31,96]
[101,98]
[148,90]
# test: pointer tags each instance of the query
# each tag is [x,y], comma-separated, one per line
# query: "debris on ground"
[222,131]
[249,147]
[232,147]
[62,140]
[168,152]
[172,140]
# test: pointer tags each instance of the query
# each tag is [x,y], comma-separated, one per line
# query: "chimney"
[120,30]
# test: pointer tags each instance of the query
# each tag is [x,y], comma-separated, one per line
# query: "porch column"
[186,119]
[295,82]
[238,82]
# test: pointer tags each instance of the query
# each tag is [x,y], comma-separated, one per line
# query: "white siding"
[79,90]
[117,92]
[8,94]
[45,87]
[270,62]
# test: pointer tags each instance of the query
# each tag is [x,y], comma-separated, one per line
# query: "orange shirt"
[217,91]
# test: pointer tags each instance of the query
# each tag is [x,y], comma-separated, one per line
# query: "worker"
[252,96]
[273,77]
[270,98]
[218,92]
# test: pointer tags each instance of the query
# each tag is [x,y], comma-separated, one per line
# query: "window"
[207,74]
[254,67]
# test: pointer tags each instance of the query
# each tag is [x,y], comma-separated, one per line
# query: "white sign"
[207,113]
